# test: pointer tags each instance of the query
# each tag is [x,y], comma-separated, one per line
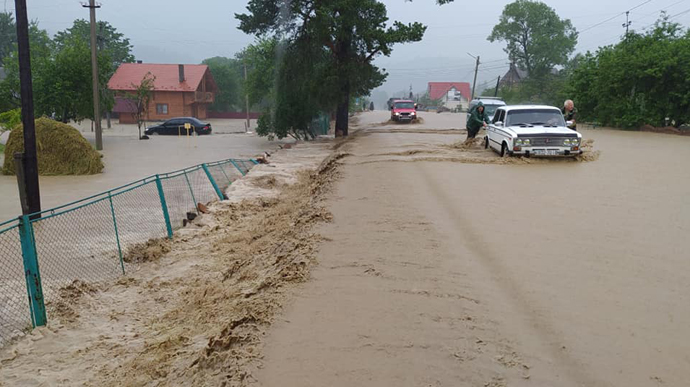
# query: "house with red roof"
[451,94]
[178,91]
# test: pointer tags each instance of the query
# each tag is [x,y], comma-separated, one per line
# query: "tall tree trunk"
[343,56]
[342,115]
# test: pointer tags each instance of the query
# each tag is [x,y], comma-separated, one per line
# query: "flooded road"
[445,267]
[127,159]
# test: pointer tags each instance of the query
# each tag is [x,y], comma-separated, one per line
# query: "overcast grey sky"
[187,31]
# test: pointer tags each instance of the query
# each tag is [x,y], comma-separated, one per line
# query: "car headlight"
[527,142]
[566,142]
[518,142]
[397,114]
[413,113]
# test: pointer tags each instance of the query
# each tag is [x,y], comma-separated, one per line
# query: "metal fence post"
[244,166]
[254,161]
[238,167]
[34,286]
[213,182]
[164,205]
[191,191]
[117,234]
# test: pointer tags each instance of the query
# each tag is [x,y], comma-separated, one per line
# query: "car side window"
[498,117]
[172,123]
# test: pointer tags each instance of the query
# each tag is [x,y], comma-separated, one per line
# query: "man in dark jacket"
[478,119]
[570,114]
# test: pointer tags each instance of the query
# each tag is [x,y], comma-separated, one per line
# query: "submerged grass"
[62,150]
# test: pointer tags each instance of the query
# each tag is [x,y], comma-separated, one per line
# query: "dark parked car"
[175,126]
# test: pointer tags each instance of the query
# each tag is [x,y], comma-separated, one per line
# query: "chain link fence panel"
[14,308]
[89,240]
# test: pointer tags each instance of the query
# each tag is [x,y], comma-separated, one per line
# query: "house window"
[161,108]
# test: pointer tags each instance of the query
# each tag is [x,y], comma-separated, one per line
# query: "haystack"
[62,150]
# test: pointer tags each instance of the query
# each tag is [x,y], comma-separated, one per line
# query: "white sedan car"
[532,130]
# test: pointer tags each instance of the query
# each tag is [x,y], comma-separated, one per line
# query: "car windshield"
[531,117]
[404,105]
[491,109]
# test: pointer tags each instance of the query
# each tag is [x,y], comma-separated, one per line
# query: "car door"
[171,126]
[495,129]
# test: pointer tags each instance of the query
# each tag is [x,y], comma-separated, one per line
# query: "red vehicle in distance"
[403,110]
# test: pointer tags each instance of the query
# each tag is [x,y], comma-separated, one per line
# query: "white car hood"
[542,130]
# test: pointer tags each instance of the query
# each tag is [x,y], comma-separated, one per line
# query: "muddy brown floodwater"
[467,272]
[442,265]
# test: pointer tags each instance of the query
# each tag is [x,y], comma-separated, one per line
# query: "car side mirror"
[569,123]
[498,123]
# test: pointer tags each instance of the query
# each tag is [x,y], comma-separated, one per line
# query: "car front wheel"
[504,150]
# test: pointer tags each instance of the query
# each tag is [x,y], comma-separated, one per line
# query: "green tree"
[292,91]
[62,85]
[537,38]
[425,100]
[141,99]
[10,119]
[110,42]
[353,33]
[262,69]
[8,35]
[226,73]
[41,50]
[642,80]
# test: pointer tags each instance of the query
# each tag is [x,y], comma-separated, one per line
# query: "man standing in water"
[570,114]
[478,119]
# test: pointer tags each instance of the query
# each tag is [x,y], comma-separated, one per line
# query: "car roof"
[529,107]
[497,99]
[488,101]
[185,118]
[404,100]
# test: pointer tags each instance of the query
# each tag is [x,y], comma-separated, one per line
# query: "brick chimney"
[181,71]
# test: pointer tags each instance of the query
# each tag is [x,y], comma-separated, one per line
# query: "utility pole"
[94,74]
[498,82]
[476,70]
[627,23]
[246,94]
[27,162]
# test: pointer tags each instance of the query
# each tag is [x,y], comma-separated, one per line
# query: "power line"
[680,13]
[617,37]
[613,17]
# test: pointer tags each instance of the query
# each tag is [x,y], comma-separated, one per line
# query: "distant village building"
[452,94]
[514,76]
[179,90]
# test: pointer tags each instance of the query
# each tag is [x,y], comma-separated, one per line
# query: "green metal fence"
[87,240]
